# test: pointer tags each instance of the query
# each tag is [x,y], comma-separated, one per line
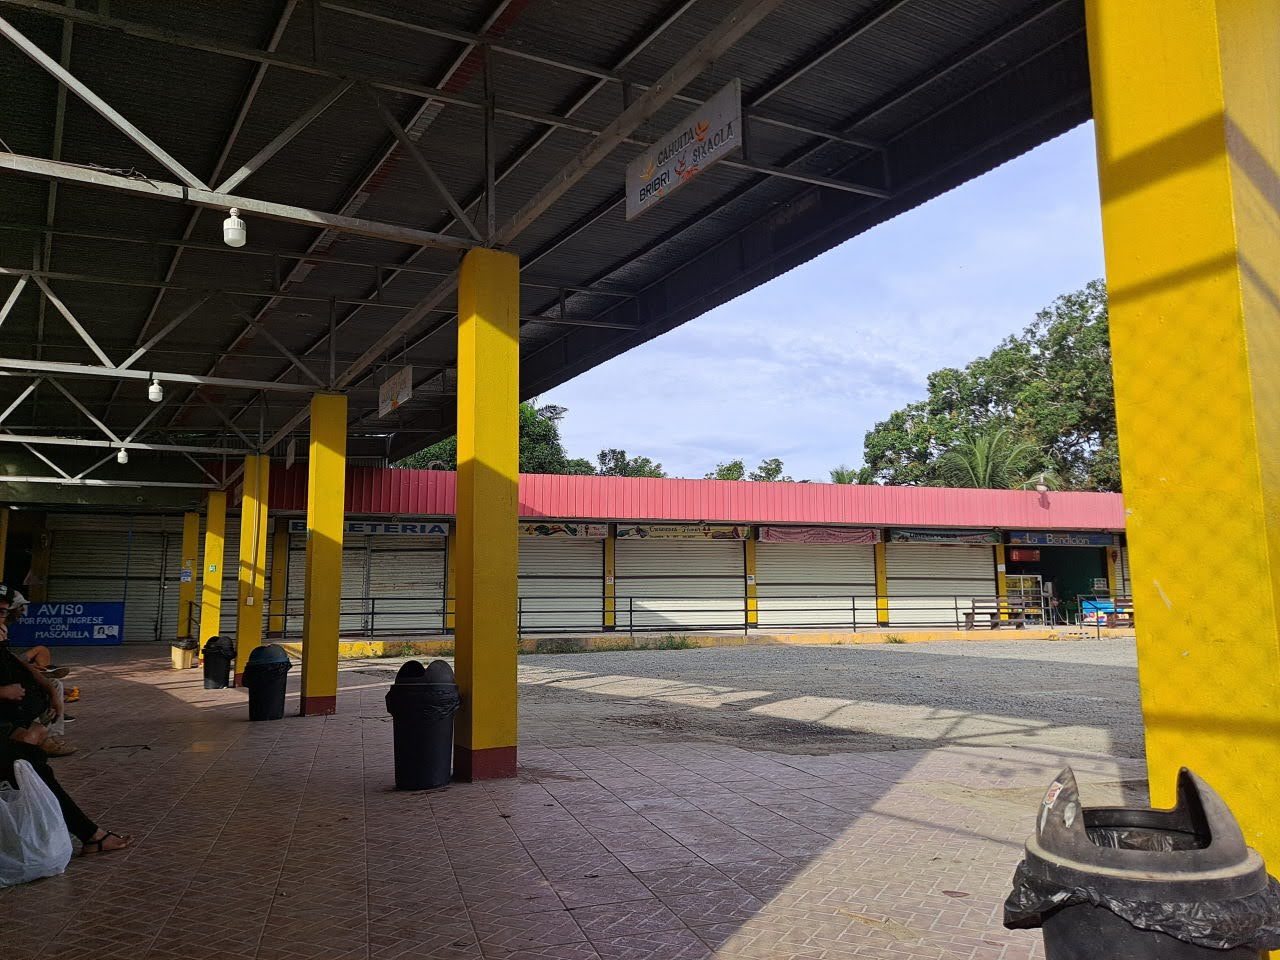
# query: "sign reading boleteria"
[706,135]
[395,390]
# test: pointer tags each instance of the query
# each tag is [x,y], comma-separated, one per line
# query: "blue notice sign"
[69,624]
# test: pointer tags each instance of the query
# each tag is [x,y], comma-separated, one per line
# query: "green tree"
[732,470]
[616,463]
[769,471]
[1051,385]
[847,474]
[541,450]
[996,459]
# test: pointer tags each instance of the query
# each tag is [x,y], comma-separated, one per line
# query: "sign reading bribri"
[395,390]
[706,135]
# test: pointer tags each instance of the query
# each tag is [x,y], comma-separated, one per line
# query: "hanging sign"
[69,624]
[565,528]
[902,535]
[395,390]
[819,535]
[706,135]
[681,531]
[398,528]
[1057,538]
[291,452]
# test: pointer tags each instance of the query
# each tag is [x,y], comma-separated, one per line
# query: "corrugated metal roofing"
[431,493]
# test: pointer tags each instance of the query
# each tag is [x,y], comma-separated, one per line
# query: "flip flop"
[95,846]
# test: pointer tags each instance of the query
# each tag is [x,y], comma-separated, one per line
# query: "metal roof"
[431,493]
[941,90]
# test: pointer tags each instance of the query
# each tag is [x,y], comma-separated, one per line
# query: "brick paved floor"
[621,841]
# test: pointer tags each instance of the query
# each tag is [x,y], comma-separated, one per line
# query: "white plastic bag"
[34,841]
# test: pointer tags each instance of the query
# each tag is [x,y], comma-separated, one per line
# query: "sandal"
[96,846]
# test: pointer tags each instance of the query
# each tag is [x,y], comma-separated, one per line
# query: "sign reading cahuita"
[706,135]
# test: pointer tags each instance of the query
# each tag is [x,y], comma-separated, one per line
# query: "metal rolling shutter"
[680,583]
[114,558]
[406,585]
[355,593]
[1122,572]
[931,584]
[561,584]
[816,585]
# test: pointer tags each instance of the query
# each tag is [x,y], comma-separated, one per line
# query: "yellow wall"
[253,558]
[190,563]
[211,567]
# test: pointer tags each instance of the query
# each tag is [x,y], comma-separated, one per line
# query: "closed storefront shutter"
[816,585]
[355,570]
[680,583]
[117,558]
[932,584]
[561,584]
[406,585]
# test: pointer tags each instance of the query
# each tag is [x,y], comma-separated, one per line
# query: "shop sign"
[69,624]
[706,135]
[1059,538]
[1024,556]
[819,535]
[902,535]
[681,531]
[398,528]
[583,531]
[395,390]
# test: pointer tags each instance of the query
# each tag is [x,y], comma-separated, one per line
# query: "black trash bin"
[422,703]
[265,675]
[219,655]
[1120,883]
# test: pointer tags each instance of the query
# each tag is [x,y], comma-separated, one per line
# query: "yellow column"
[1185,93]
[1002,580]
[279,576]
[4,537]
[1113,571]
[488,481]
[610,587]
[322,590]
[215,530]
[187,576]
[253,558]
[749,558]
[882,587]
[451,578]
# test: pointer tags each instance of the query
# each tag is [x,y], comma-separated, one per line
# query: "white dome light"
[122,456]
[233,231]
[155,392]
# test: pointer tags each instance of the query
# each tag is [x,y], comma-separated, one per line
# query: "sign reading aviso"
[706,135]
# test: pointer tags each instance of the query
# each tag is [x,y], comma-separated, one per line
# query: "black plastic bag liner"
[1186,872]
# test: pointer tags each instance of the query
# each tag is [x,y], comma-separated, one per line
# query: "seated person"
[32,690]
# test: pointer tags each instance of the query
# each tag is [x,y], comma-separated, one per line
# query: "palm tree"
[844,474]
[997,459]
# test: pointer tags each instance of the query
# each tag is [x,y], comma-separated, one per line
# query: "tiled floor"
[284,841]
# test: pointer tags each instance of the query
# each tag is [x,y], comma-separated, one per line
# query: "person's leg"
[59,726]
[25,745]
[40,656]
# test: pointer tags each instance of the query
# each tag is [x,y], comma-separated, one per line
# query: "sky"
[801,367]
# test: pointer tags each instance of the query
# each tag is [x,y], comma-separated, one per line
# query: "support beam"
[40,439]
[610,587]
[488,481]
[279,577]
[215,536]
[187,576]
[1002,580]
[326,501]
[22,367]
[252,576]
[121,484]
[1113,574]
[286,213]
[882,586]
[4,538]
[1188,137]
[749,568]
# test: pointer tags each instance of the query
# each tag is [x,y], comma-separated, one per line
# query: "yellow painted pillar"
[322,591]
[215,532]
[4,537]
[882,586]
[451,578]
[1113,571]
[187,576]
[610,585]
[749,563]
[488,487]
[279,576]
[1185,94]
[253,559]
[1002,580]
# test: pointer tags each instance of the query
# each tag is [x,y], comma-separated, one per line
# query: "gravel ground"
[826,699]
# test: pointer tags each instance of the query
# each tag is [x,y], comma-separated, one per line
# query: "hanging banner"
[819,535]
[69,624]
[398,528]
[902,535]
[1058,538]
[291,453]
[395,390]
[565,528]
[706,135]
[681,531]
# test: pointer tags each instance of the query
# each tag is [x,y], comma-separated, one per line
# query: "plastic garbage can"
[1121,883]
[219,655]
[183,653]
[265,675]
[422,703]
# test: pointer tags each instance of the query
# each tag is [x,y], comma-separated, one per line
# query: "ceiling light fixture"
[233,231]
[155,392]
[123,456]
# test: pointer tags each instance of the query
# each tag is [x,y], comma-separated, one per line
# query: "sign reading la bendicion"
[706,135]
